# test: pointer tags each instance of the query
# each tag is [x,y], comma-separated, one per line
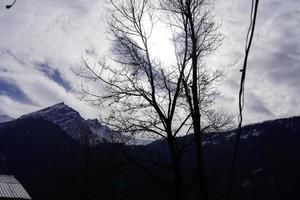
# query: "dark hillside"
[52,165]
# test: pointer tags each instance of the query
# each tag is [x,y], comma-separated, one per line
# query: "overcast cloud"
[40,41]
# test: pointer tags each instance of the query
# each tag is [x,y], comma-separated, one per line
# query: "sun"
[161,45]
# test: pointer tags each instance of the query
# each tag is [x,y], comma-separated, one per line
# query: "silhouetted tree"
[147,97]
[197,38]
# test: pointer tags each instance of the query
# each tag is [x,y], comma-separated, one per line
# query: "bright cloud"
[40,41]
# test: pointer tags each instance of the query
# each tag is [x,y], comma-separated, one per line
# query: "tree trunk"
[196,115]
[175,158]
[202,179]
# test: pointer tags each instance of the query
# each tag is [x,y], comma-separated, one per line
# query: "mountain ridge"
[87,131]
[72,123]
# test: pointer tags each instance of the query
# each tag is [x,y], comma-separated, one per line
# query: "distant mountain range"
[46,151]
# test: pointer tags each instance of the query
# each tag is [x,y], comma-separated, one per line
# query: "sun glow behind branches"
[161,44]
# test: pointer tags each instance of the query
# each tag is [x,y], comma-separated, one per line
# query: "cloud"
[54,75]
[272,82]
[40,41]
[13,107]
[8,88]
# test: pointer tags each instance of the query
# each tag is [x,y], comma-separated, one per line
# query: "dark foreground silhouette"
[51,165]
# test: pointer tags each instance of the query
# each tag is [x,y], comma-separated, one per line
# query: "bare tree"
[194,20]
[143,95]
[147,97]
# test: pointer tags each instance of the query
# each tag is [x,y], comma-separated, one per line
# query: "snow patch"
[257,170]
[246,183]
[256,133]
[244,137]
[230,135]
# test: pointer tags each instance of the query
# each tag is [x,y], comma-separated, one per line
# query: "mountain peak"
[50,111]
[62,115]
[71,122]
[74,125]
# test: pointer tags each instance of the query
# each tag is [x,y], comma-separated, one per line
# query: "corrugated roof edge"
[10,187]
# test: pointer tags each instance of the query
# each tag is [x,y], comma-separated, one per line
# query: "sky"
[41,41]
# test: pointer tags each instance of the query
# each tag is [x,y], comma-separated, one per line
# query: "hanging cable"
[250,33]
[10,5]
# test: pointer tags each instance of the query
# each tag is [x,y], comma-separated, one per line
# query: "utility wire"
[11,5]
[250,33]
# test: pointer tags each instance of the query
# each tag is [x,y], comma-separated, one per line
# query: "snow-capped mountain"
[98,129]
[5,118]
[72,123]
[89,131]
